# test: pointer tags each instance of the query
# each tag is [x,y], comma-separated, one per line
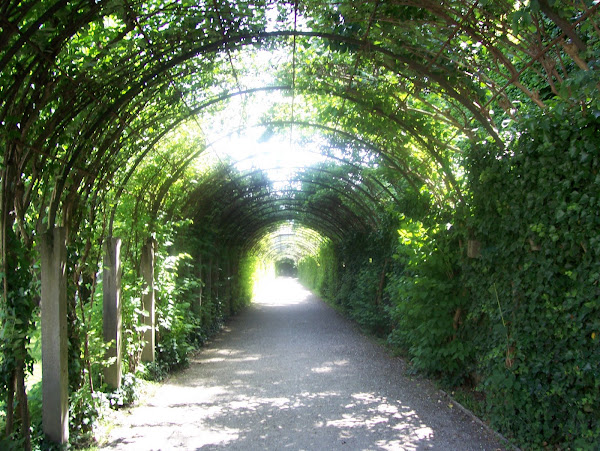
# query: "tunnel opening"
[430,169]
[286,268]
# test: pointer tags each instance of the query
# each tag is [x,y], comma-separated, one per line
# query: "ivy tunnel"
[429,167]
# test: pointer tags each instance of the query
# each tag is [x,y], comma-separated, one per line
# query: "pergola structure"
[89,89]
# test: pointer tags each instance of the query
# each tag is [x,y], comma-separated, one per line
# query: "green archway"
[447,133]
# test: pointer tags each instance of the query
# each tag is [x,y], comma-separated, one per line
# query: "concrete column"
[55,373]
[209,317]
[228,294]
[235,289]
[197,305]
[216,282]
[148,299]
[111,309]
[209,270]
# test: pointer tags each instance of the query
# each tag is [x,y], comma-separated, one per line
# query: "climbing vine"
[536,283]
[456,204]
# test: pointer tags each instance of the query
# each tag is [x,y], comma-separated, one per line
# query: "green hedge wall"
[536,286]
[520,319]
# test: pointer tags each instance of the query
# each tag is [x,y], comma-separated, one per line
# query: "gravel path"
[291,373]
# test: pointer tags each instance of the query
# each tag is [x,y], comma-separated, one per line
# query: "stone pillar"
[197,305]
[55,373]
[228,295]
[209,269]
[209,317]
[235,289]
[148,299]
[215,283]
[111,309]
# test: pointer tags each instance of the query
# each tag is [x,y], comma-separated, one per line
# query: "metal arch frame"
[254,238]
[268,197]
[313,169]
[219,182]
[229,185]
[146,82]
[253,38]
[303,233]
[266,207]
[444,14]
[230,42]
[307,217]
[371,147]
[383,154]
[96,126]
[378,151]
[288,203]
[300,245]
[239,205]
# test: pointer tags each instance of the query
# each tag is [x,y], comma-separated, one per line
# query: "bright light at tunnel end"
[277,157]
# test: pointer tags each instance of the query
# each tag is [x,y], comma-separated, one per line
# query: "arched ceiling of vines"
[98,94]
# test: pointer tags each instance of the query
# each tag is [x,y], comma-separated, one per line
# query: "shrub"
[536,284]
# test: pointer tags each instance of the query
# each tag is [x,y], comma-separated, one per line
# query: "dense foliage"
[351,275]
[198,284]
[454,209]
[503,297]
[536,285]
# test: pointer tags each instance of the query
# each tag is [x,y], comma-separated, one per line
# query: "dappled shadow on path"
[291,374]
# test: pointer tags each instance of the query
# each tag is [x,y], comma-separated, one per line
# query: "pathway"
[289,373]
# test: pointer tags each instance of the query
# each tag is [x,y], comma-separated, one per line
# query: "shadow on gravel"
[248,417]
[290,374]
